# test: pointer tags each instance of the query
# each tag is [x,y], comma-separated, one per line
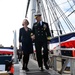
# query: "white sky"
[64,5]
[12,12]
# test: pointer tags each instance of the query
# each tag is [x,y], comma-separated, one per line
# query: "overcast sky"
[12,12]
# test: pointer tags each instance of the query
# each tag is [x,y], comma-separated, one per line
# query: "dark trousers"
[19,56]
[25,60]
[41,54]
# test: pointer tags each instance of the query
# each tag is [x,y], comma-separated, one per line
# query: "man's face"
[38,18]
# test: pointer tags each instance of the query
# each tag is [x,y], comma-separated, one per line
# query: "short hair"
[26,21]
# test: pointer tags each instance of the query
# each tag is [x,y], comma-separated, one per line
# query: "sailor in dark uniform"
[41,35]
[26,42]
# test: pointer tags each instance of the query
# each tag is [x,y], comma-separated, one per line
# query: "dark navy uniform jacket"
[41,32]
[25,39]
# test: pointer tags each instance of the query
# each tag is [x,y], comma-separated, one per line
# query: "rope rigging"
[27,8]
[63,3]
[71,3]
[71,7]
[56,18]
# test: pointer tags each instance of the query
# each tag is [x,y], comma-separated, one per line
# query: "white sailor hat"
[38,14]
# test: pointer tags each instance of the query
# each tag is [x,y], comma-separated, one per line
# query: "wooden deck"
[34,69]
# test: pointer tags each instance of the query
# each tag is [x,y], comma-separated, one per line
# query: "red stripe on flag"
[69,44]
[6,52]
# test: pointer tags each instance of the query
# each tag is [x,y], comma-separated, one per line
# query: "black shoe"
[41,69]
[67,68]
[19,59]
[47,67]
[60,72]
[23,68]
[26,69]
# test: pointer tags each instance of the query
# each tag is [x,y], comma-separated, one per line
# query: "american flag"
[6,50]
[67,40]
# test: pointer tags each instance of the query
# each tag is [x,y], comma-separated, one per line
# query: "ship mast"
[51,13]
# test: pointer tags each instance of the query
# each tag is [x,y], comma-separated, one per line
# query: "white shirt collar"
[40,22]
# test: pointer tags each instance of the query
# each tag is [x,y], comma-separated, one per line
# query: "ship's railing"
[68,60]
[54,59]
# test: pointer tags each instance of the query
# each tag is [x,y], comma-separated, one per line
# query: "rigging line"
[68,9]
[64,2]
[51,31]
[48,12]
[49,9]
[61,16]
[65,18]
[53,15]
[73,28]
[71,7]
[70,4]
[42,14]
[49,18]
[59,23]
[27,8]
[49,22]
[45,12]
[71,13]
[38,5]
[42,11]
[46,19]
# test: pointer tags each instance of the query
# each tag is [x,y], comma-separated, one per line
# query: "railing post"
[54,63]
[72,66]
[15,47]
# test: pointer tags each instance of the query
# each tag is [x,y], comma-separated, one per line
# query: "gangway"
[49,10]
[55,69]
[34,70]
[58,21]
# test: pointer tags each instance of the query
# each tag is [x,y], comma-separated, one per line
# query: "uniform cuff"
[48,38]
